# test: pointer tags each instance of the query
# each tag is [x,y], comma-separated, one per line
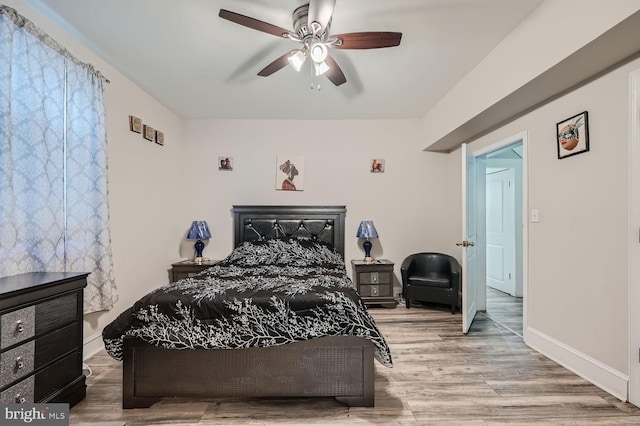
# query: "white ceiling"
[201,66]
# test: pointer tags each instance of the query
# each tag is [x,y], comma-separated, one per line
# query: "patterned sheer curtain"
[53,162]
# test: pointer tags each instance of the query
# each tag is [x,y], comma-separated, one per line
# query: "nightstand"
[374,281]
[188,268]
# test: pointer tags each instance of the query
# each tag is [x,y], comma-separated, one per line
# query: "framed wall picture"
[159,137]
[377,165]
[135,124]
[290,172]
[573,135]
[149,133]
[225,163]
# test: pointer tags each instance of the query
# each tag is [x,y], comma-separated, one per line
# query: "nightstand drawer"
[375,290]
[374,277]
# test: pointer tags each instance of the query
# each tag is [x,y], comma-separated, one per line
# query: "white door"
[501,230]
[469,226]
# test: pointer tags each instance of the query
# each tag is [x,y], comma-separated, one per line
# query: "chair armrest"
[407,267]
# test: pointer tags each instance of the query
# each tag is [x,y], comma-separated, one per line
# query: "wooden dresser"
[41,338]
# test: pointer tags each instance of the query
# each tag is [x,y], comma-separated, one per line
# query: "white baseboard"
[601,375]
[92,345]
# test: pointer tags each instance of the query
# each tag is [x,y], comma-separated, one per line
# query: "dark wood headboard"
[323,223]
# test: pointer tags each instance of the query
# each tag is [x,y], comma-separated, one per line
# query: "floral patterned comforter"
[264,293]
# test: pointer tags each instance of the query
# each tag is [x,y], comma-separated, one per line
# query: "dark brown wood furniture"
[340,367]
[374,281]
[188,268]
[41,338]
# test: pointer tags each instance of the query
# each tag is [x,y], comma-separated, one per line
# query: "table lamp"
[367,230]
[199,231]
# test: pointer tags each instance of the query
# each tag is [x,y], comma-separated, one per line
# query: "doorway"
[501,280]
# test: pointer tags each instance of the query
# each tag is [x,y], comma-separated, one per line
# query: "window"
[53,161]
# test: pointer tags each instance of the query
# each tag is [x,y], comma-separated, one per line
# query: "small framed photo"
[159,137]
[149,133]
[573,135]
[377,165]
[225,163]
[135,124]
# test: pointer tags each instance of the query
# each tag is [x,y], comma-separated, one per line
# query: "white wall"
[578,252]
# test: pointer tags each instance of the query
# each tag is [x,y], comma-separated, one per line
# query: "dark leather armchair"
[431,277]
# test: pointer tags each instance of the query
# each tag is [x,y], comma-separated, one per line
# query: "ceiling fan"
[311,23]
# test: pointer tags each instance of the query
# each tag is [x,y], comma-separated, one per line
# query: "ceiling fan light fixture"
[318,52]
[296,59]
[321,67]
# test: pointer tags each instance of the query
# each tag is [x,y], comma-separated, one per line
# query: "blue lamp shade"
[367,230]
[199,231]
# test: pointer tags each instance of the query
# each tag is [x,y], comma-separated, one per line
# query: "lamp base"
[367,251]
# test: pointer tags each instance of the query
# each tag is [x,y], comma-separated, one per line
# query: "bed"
[293,324]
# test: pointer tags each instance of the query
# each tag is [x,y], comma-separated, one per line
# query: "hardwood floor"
[504,309]
[440,377]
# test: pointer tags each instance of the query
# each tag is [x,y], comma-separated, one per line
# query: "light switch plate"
[535,218]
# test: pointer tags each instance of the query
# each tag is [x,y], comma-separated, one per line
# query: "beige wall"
[404,202]
[552,32]
[578,252]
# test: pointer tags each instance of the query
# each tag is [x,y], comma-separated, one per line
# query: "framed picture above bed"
[290,172]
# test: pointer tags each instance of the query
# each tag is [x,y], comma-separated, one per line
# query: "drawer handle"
[19,326]
[20,399]
[19,362]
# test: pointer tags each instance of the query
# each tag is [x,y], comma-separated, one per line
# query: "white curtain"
[53,162]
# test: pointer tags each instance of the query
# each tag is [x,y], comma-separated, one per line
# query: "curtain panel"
[53,162]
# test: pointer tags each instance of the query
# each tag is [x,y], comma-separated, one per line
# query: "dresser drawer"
[17,326]
[55,313]
[17,363]
[44,383]
[25,323]
[24,359]
[19,393]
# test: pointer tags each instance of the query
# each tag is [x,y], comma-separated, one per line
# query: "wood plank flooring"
[440,377]
[504,309]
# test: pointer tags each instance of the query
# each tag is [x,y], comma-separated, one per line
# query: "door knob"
[465,243]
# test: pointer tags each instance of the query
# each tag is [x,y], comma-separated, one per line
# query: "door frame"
[481,218]
[633,391]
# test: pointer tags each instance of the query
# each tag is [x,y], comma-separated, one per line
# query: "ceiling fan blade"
[367,40]
[320,11]
[276,65]
[254,23]
[335,74]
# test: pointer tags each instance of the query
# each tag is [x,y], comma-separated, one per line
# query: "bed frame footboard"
[340,367]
